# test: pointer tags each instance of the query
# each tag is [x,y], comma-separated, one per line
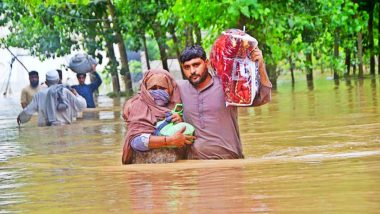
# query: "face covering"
[161,97]
[34,83]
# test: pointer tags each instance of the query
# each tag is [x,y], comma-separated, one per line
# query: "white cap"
[52,75]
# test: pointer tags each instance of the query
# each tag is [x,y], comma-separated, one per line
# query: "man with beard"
[29,91]
[216,126]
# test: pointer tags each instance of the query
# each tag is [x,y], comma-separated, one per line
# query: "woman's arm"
[176,140]
[144,142]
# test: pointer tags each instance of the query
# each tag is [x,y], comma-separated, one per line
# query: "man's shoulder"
[42,92]
[216,78]
[81,87]
[67,91]
[25,89]
[64,88]
[42,86]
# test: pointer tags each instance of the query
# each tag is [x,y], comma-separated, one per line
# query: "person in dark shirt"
[87,90]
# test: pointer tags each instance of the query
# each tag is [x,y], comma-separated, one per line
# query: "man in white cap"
[56,105]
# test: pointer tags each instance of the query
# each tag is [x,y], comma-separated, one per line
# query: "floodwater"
[306,152]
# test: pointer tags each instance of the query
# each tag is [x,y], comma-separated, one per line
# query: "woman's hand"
[179,139]
[176,118]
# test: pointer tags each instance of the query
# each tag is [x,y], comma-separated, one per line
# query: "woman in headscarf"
[158,95]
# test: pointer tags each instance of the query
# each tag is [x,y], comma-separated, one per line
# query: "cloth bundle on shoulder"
[81,63]
[55,101]
[230,57]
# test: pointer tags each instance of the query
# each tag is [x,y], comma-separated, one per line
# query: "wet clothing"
[62,105]
[216,126]
[141,113]
[28,92]
[141,143]
[39,104]
[161,155]
[87,90]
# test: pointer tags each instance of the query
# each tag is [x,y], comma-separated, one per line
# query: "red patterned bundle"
[230,58]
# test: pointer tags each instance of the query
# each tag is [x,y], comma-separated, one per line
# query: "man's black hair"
[59,73]
[78,75]
[192,52]
[31,73]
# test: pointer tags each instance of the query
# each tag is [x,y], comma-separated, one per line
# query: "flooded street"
[306,152]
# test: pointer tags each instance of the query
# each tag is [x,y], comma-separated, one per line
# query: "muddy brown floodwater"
[306,152]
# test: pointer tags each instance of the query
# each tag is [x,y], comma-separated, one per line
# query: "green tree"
[58,27]
[144,17]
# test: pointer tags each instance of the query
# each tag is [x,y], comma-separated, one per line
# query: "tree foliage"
[304,33]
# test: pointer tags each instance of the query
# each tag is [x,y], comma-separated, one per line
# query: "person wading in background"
[30,90]
[87,90]
[56,105]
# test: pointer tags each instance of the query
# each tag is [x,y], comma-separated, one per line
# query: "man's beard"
[201,79]
[34,84]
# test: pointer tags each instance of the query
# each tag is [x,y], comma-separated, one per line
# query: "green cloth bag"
[171,128]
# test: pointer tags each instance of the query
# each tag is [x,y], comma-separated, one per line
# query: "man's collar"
[209,84]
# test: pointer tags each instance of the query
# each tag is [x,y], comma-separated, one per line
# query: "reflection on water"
[307,151]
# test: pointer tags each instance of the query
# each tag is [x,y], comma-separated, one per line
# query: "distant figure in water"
[158,95]
[87,90]
[30,90]
[56,105]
